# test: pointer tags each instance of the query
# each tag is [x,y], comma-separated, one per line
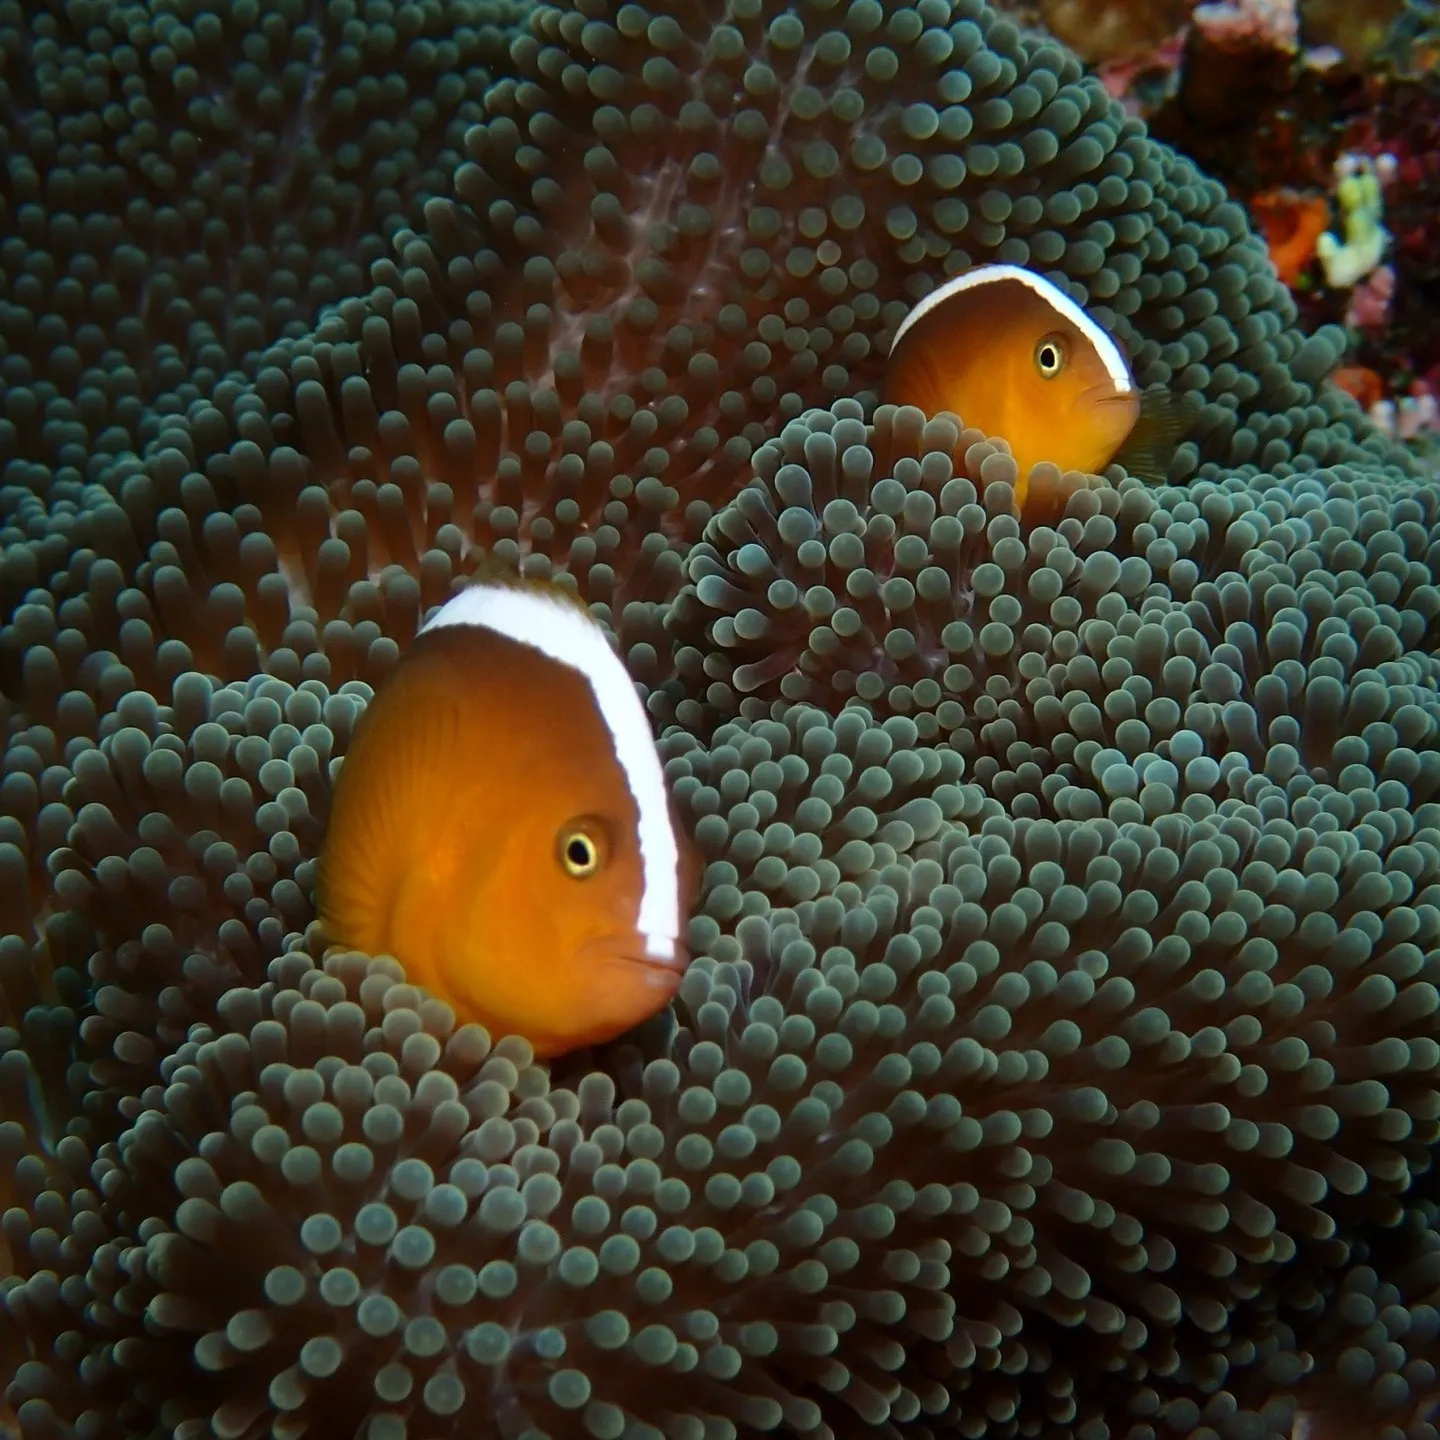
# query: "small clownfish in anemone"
[502,827]
[1014,356]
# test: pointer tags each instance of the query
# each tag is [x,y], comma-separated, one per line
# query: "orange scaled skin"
[975,355]
[443,845]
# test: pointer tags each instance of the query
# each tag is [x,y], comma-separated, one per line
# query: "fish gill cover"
[1059,1056]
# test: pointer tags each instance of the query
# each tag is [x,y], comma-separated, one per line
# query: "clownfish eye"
[1050,356]
[579,850]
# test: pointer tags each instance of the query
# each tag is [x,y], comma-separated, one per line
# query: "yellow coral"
[1362,203]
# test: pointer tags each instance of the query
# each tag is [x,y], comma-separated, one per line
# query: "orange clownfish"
[1014,356]
[502,827]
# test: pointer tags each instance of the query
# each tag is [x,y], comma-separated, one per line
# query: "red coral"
[1292,222]
[1361,382]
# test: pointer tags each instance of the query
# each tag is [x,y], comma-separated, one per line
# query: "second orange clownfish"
[1016,357]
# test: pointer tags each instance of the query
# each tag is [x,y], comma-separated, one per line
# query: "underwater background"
[1059,1055]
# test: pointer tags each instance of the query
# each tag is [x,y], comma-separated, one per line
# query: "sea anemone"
[340,1204]
[1063,1023]
[859,569]
[665,237]
[186,187]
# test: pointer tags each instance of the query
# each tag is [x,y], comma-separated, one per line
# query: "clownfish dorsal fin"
[984,275]
[1150,446]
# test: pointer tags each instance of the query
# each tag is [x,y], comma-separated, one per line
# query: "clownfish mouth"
[1107,394]
[665,969]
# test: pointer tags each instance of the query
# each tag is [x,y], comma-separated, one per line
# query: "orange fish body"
[1013,356]
[500,825]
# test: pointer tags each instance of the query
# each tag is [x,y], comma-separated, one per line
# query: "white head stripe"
[562,631]
[1105,346]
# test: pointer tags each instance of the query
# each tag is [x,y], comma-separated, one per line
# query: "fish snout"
[655,960]
[1106,393]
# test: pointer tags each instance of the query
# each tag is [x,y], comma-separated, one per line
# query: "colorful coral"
[1360,246]
[1147,81]
[1292,223]
[1062,1032]
[1370,300]
[1248,25]
[1410,416]
[1356,30]
[1111,32]
[1363,383]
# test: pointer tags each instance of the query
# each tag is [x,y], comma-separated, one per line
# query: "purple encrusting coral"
[1058,1056]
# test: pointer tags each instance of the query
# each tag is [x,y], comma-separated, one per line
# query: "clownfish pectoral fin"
[1150,446]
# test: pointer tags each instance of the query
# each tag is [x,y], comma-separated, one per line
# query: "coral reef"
[1406,126]
[1356,32]
[1361,382]
[1370,300]
[1401,119]
[1351,117]
[1242,26]
[1360,246]
[1108,32]
[1291,221]
[1059,1053]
